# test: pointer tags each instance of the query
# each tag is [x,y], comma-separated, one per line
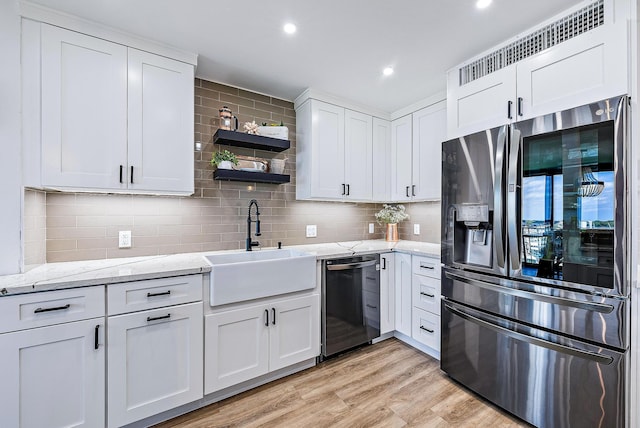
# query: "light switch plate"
[124,239]
[371,228]
[416,229]
[312,231]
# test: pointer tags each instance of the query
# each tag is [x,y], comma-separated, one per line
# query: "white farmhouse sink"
[236,277]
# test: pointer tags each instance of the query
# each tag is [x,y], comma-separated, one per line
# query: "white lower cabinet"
[155,361]
[402,270]
[426,328]
[250,341]
[53,376]
[387,293]
[425,284]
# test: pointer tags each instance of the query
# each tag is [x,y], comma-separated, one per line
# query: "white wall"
[10,157]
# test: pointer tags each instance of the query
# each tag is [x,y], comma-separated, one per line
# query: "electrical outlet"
[371,228]
[416,229]
[124,239]
[312,231]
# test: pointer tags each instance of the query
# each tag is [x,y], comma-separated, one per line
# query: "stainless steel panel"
[473,173]
[545,379]
[613,109]
[596,319]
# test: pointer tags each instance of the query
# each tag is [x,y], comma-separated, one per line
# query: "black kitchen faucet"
[251,243]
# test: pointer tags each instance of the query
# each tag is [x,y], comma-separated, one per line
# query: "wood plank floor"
[385,385]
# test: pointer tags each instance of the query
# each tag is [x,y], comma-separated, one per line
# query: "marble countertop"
[53,276]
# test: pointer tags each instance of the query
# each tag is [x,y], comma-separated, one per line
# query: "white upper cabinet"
[358,155]
[160,127]
[416,146]
[579,62]
[334,153]
[111,118]
[381,160]
[429,131]
[401,159]
[84,110]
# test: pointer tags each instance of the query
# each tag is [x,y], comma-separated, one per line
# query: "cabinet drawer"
[426,328]
[428,266]
[153,293]
[426,293]
[371,308]
[50,307]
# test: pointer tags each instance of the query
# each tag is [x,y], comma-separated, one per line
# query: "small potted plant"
[391,215]
[224,159]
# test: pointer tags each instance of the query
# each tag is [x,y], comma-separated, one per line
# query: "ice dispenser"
[473,235]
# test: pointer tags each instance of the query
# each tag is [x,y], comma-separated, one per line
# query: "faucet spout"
[250,243]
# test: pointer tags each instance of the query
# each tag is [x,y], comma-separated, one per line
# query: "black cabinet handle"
[413,190]
[422,293]
[57,308]
[384,263]
[509,104]
[266,317]
[121,169]
[164,293]
[95,337]
[520,106]
[273,311]
[372,307]
[427,267]
[407,191]
[348,189]
[131,174]
[164,317]
[426,329]
[344,189]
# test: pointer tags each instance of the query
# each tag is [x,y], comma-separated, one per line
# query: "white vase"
[225,165]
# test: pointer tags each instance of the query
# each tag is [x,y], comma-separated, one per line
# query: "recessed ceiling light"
[289,28]
[387,71]
[481,4]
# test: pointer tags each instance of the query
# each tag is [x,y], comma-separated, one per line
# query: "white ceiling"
[341,46]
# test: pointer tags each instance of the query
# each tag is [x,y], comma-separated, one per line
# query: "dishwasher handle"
[347,266]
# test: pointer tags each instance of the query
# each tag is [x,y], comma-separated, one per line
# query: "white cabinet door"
[155,362]
[402,269]
[327,154]
[160,123]
[401,162]
[237,346]
[387,293]
[381,160]
[294,331]
[84,110]
[429,131]
[53,376]
[358,155]
[587,68]
[481,104]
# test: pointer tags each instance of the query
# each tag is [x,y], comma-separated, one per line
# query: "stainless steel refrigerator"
[535,293]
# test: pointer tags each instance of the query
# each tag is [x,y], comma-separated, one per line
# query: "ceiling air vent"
[568,27]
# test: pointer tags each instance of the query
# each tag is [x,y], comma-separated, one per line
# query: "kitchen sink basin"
[237,277]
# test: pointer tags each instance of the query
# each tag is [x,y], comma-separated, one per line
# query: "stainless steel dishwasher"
[350,302]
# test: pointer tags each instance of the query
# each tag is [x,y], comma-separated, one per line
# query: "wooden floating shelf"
[250,141]
[255,177]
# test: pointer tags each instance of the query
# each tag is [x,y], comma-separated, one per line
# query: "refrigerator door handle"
[498,225]
[513,191]
[598,358]
[590,306]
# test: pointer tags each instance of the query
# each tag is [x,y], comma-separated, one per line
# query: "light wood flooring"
[388,384]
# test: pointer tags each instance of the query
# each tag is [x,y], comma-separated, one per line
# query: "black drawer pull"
[407,192]
[427,267]
[384,263]
[121,168]
[164,293]
[422,293]
[266,317]
[95,337]
[57,308]
[426,329]
[372,307]
[131,174]
[413,190]
[273,311]
[164,317]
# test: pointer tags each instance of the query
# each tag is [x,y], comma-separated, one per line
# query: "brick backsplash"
[81,226]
